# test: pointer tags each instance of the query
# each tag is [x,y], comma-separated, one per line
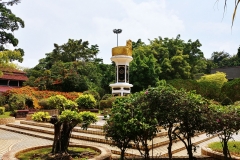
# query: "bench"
[22,113]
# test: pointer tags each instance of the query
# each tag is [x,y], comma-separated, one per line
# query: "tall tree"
[144,70]
[119,127]
[74,50]
[220,59]
[177,58]
[9,23]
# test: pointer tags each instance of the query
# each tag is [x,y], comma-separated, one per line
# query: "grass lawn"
[43,153]
[233,146]
[5,115]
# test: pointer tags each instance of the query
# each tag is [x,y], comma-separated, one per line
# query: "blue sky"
[49,22]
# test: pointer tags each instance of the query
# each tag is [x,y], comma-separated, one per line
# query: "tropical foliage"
[41,116]
[9,23]
[225,122]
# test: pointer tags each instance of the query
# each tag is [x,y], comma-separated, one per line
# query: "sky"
[49,22]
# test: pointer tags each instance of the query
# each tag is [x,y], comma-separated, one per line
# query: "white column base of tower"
[121,88]
[122,56]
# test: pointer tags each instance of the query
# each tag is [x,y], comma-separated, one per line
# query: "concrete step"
[159,143]
[48,129]
[91,130]
[72,140]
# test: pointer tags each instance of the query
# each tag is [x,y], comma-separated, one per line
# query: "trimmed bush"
[86,101]
[16,102]
[208,89]
[41,116]
[231,89]
[2,110]
[94,93]
[103,104]
[7,107]
[106,103]
[2,100]
[110,101]
[226,101]
[106,96]
[44,104]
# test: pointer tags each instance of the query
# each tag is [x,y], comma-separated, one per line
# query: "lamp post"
[117,31]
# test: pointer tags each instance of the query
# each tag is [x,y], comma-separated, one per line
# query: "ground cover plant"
[233,146]
[75,153]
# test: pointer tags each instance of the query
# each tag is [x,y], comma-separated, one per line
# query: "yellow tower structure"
[122,56]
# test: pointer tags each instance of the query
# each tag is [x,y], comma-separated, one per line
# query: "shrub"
[57,102]
[2,110]
[226,101]
[183,83]
[7,107]
[110,101]
[41,116]
[205,88]
[16,102]
[218,78]
[44,104]
[103,104]
[107,103]
[2,100]
[94,93]
[209,90]
[231,89]
[106,96]
[86,101]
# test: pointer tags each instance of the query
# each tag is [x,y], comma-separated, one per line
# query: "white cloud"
[145,20]
[49,22]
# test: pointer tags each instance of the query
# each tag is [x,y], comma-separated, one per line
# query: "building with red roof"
[11,78]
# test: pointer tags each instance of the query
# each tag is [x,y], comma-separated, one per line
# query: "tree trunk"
[146,150]
[122,154]
[62,133]
[190,154]
[170,141]
[57,134]
[189,148]
[65,137]
[225,150]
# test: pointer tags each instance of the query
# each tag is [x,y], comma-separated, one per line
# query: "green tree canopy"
[73,50]
[9,23]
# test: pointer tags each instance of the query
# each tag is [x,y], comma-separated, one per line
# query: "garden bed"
[105,154]
[217,155]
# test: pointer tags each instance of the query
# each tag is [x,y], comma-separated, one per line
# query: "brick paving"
[11,141]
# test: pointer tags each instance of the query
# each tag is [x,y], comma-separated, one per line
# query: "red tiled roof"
[11,70]
[13,74]
[6,88]
[18,77]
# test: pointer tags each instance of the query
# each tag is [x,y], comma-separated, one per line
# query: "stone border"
[105,152]
[209,152]
[7,120]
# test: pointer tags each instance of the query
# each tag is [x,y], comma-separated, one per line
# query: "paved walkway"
[11,141]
